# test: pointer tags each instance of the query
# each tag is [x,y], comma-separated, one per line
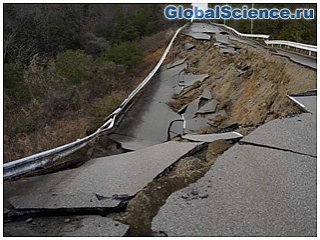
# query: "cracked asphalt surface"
[253,190]
[265,186]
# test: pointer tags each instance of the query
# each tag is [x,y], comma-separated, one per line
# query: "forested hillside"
[67,66]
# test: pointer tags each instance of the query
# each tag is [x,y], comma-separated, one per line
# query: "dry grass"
[20,140]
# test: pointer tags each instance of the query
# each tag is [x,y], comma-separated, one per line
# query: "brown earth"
[146,204]
[251,96]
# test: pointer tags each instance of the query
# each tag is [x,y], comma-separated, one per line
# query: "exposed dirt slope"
[251,86]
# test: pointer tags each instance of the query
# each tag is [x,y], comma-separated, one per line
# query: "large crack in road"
[217,85]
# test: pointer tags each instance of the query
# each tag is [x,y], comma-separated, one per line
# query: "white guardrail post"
[38,160]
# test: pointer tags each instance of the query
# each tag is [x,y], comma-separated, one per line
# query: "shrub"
[126,53]
[14,86]
[74,66]
[107,105]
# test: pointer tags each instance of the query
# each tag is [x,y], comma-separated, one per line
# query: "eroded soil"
[146,204]
[251,85]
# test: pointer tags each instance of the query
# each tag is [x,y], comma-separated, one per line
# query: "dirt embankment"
[251,86]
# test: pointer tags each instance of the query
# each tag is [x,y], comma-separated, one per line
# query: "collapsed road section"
[263,186]
[214,88]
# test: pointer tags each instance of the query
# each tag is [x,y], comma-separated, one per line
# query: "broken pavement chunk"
[192,109]
[208,107]
[189,79]
[212,137]
[227,50]
[176,63]
[189,46]
[308,103]
[196,123]
[222,38]
[206,94]
[122,174]
[182,109]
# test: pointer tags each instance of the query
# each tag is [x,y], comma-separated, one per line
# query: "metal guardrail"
[309,48]
[27,164]
[274,43]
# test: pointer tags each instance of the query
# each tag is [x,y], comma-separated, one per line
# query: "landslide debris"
[250,85]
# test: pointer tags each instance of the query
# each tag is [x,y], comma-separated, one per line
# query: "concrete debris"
[212,137]
[312,92]
[189,79]
[182,109]
[308,103]
[206,94]
[176,63]
[191,109]
[175,129]
[227,50]
[194,124]
[222,38]
[29,220]
[243,66]
[67,220]
[189,46]
[208,107]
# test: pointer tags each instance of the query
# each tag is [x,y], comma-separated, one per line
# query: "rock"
[188,46]
[176,63]
[208,107]
[248,73]
[206,94]
[29,220]
[194,192]
[67,220]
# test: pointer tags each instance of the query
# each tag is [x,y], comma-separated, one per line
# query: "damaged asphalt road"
[265,185]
